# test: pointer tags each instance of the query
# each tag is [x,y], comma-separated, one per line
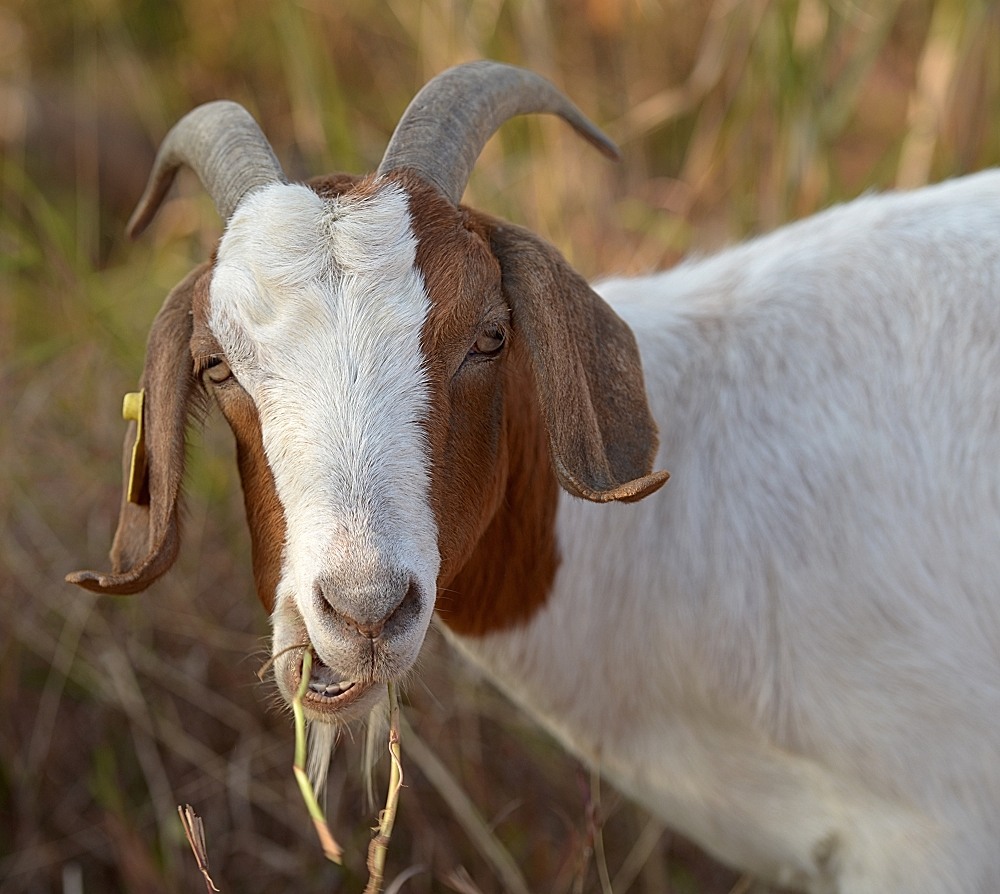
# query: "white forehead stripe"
[290,259]
[319,306]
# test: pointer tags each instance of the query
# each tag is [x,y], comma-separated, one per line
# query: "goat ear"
[148,536]
[587,370]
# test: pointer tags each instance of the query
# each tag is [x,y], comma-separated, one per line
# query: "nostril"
[368,612]
[408,608]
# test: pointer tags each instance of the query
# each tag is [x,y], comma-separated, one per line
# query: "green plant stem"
[331,850]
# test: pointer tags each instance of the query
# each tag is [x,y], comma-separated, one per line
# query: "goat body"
[791,653]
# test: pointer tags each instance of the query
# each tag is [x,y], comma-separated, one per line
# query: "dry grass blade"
[459,880]
[397,883]
[465,811]
[331,850]
[929,101]
[194,829]
[642,850]
[379,847]
[597,832]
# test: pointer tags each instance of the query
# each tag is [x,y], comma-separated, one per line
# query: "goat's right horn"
[224,146]
[449,121]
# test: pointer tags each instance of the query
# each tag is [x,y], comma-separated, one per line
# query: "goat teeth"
[330,690]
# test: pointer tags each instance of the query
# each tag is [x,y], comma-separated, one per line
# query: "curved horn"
[449,121]
[222,144]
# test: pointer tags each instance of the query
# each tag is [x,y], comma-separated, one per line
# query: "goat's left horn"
[449,121]
[224,146]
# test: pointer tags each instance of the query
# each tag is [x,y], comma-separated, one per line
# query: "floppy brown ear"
[148,537]
[587,370]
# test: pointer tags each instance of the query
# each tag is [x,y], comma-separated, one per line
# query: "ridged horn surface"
[224,146]
[449,121]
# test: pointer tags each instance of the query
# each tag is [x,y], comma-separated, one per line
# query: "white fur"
[792,651]
[319,307]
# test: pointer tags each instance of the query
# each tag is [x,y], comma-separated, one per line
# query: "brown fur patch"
[564,401]
[329,186]
[492,488]
[509,574]
[265,514]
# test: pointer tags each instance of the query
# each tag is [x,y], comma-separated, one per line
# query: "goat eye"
[216,370]
[489,344]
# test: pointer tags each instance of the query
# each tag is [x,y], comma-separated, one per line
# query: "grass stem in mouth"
[331,850]
[379,848]
[267,665]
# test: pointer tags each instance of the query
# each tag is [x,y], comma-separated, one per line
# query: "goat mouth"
[327,692]
[323,682]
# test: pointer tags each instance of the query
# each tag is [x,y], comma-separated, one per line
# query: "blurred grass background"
[733,117]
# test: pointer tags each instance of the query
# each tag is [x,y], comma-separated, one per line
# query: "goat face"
[311,345]
[383,357]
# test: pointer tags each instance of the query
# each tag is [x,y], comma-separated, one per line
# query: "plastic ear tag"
[132,410]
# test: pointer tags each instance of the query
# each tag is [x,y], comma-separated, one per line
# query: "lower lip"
[325,704]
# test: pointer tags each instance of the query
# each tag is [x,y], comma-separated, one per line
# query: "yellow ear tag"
[132,411]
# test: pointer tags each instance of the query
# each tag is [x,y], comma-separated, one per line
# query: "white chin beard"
[322,742]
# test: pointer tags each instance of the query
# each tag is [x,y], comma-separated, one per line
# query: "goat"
[791,653]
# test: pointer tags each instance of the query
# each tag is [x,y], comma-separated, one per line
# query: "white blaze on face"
[319,307]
